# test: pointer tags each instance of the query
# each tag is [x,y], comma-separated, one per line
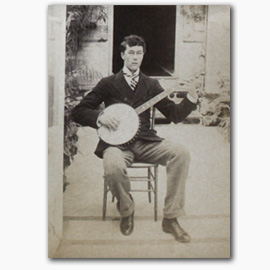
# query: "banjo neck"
[129,122]
[151,102]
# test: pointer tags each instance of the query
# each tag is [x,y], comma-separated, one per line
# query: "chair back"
[152,117]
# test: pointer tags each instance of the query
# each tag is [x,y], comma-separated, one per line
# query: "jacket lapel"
[123,89]
[120,85]
[140,91]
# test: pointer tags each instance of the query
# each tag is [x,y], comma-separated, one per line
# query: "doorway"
[156,24]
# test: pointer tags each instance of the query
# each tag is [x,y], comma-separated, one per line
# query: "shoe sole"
[178,240]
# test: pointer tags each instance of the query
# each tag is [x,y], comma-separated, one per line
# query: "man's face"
[132,57]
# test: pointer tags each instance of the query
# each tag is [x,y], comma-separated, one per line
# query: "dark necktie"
[133,82]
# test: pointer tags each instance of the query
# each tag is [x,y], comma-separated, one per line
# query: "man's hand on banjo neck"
[192,95]
[109,121]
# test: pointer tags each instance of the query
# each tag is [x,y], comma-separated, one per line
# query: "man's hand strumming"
[109,121]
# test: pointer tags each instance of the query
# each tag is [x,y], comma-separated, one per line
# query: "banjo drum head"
[128,124]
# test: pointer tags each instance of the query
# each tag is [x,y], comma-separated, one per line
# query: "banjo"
[129,121]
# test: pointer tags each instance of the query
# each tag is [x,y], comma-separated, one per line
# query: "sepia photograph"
[139,131]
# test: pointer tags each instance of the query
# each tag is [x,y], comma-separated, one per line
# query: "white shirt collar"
[129,73]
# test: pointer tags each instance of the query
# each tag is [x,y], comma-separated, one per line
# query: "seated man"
[132,87]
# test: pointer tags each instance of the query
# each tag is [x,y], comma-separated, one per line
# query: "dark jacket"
[115,89]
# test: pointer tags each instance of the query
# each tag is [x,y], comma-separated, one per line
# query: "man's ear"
[122,55]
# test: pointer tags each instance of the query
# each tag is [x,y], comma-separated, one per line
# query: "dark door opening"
[156,24]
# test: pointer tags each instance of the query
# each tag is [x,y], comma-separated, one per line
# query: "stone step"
[93,238]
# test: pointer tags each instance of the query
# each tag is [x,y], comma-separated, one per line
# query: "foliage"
[80,21]
[195,12]
[216,107]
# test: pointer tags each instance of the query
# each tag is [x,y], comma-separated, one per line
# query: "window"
[156,24]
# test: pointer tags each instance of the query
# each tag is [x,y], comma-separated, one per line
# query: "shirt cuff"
[192,99]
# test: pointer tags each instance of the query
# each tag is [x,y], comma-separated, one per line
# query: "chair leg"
[104,200]
[149,185]
[156,192]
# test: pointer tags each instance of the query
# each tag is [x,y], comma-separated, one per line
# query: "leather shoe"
[172,226]
[127,224]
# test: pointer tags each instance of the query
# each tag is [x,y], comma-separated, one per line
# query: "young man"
[132,87]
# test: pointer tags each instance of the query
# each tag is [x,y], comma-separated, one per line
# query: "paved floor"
[207,204]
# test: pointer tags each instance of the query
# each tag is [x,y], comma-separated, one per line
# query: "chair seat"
[143,165]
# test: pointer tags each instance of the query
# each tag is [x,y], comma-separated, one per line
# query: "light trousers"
[175,157]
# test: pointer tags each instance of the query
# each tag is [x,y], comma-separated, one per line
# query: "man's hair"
[132,40]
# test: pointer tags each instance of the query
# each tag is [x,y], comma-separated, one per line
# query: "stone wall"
[218,47]
[95,57]
[191,44]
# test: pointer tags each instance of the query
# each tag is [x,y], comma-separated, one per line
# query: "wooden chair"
[150,177]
